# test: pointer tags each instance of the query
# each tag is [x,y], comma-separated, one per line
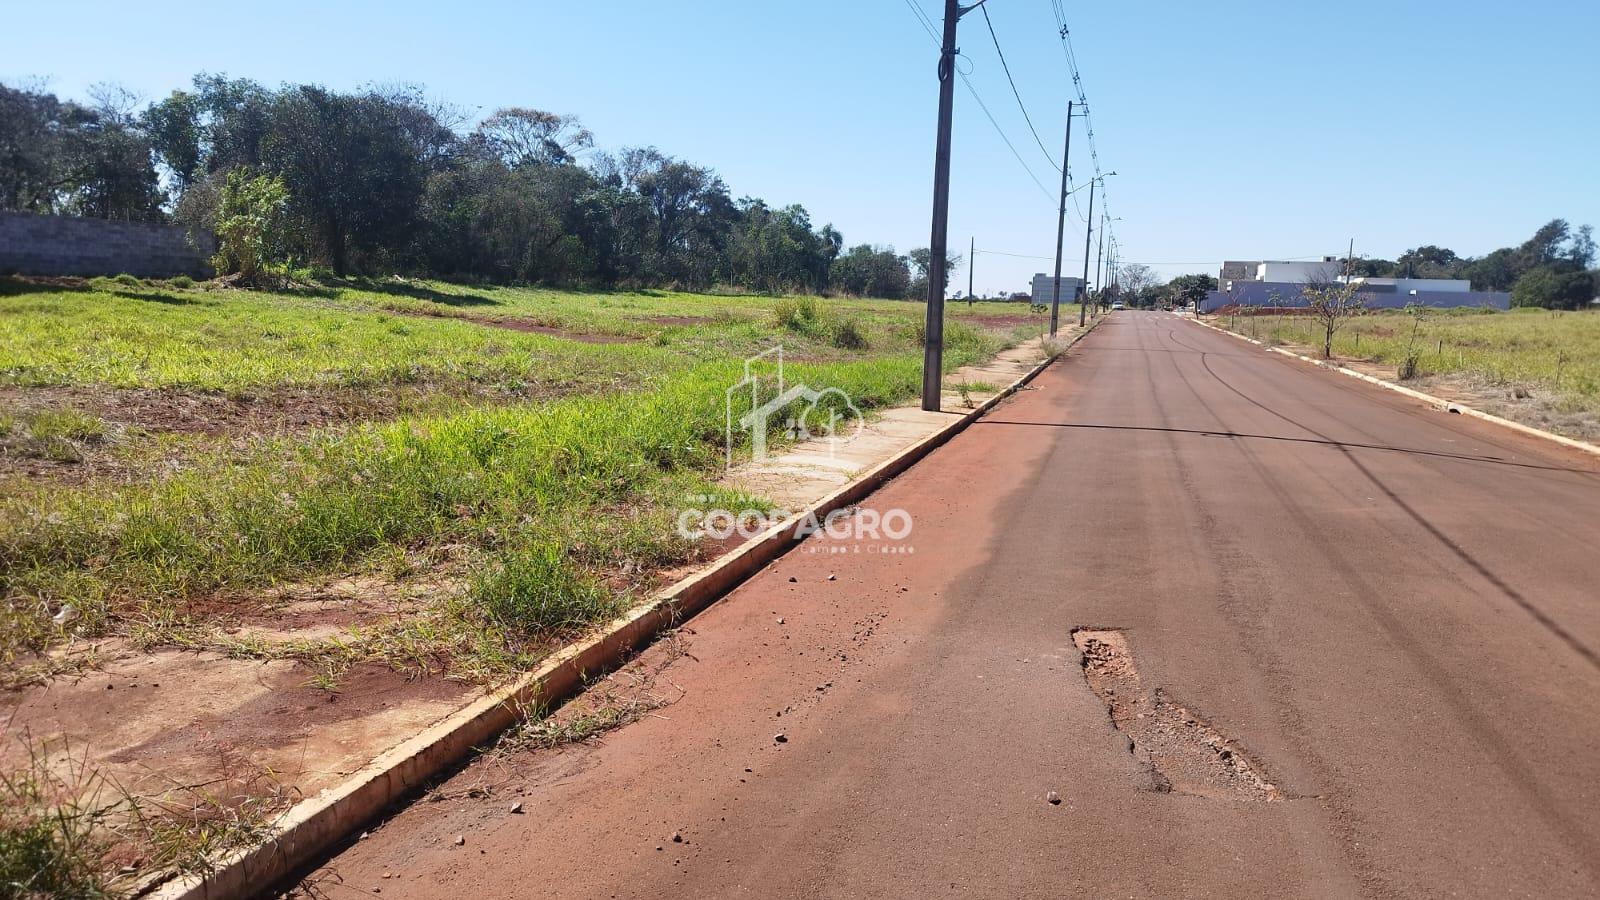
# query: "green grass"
[349,335]
[234,341]
[1558,351]
[514,483]
[55,434]
[544,502]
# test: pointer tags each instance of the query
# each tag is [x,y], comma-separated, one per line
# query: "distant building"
[1045,292]
[1238,270]
[1300,271]
[1279,283]
[1280,271]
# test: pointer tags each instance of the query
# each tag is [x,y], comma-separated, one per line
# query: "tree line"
[384,180]
[1551,269]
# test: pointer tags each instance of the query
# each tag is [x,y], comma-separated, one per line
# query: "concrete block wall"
[61,245]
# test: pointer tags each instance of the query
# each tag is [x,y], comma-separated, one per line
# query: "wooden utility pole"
[933,329]
[972,263]
[1099,256]
[1061,226]
[1083,308]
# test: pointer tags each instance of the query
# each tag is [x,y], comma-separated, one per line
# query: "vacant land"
[1535,366]
[527,442]
[363,489]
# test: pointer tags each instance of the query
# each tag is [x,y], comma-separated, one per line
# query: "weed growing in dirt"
[55,434]
[67,830]
[51,834]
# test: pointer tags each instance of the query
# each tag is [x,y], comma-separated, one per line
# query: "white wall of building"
[1296,271]
[1069,288]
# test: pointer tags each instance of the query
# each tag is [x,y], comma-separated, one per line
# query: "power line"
[1069,53]
[1000,131]
[1007,253]
[922,18]
[1014,92]
[927,25]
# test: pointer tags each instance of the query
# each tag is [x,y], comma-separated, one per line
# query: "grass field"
[549,436]
[1559,352]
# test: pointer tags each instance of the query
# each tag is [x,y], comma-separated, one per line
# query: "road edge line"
[1437,402]
[316,825]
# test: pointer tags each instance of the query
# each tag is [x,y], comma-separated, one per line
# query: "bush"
[182,282]
[849,334]
[801,315]
[126,280]
[252,227]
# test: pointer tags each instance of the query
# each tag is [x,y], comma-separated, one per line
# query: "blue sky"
[1240,130]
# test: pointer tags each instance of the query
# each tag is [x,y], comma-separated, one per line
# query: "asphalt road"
[1391,614]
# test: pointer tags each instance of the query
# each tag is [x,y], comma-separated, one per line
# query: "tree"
[65,158]
[1137,280]
[1372,267]
[522,137]
[116,178]
[1186,290]
[355,179]
[34,127]
[1428,262]
[921,260]
[777,251]
[175,130]
[1552,287]
[1332,303]
[867,271]
[1544,248]
[234,118]
[1582,252]
[1495,271]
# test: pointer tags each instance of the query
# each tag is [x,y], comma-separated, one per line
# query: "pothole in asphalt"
[1182,752]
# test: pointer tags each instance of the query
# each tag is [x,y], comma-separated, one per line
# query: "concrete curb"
[1436,402]
[314,826]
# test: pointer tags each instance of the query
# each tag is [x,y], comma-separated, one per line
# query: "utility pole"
[972,263]
[933,329]
[1099,257]
[1088,226]
[1061,226]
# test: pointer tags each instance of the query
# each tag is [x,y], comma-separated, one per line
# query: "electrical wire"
[1007,253]
[1014,92]
[1069,53]
[927,25]
[1010,146]
[922,18]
